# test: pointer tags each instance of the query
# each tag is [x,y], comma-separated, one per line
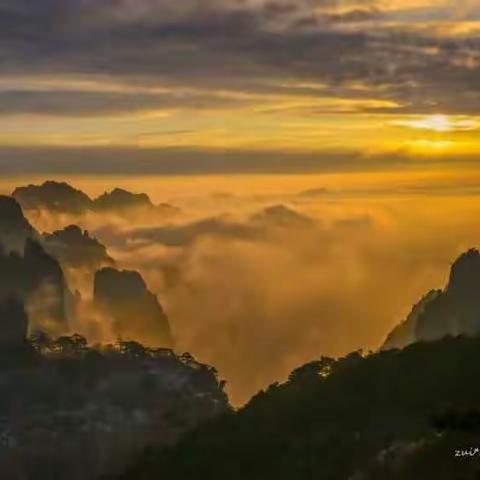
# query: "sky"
[238,86]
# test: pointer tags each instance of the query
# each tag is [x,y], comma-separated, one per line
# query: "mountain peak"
[465,275]
[14,227]
[52,195]
[281,215]
[119,199]
[124,296]
[452,311]
[76,248]
[13,322]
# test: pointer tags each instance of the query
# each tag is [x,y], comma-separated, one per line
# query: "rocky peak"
[464,282]
[14,227]
[57,196]
[119,199]
[405,333]
[37,280]
[135,311]
[453,311]
[281,216]
[75,247]
[11,212]
[40,261]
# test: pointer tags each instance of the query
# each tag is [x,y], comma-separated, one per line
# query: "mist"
[288,277]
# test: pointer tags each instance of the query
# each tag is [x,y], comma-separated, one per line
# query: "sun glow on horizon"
[439,123]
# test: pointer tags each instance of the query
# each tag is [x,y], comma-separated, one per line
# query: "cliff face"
[406,332]
[36,279]
[136,312]
[13,323]
[14,227]
[27,272]
[463,291]
[453,311]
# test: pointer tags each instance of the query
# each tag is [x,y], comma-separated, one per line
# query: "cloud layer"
[416,54]
[329,81]
[288,277]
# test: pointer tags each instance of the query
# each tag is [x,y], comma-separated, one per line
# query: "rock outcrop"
[14,227]
[60,197]
[76,248]
[136,313]
[406,332]
[13,323]
[54,196]
[120,200]
[454,311]
[281,216]
[37,280]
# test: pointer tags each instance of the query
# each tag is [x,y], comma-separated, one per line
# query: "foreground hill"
[397,415]
[68,410]
[72,412]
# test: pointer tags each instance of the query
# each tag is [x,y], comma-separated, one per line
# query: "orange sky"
[345,80]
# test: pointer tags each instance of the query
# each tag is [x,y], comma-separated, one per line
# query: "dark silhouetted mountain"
[37,279]
[14,227]
[397,415]
[55,196]
[282,216]
[464,284]
[13,323]
[75,248]
[119,199]
[74,412]
[176,235]
[136,312]
[63,198]
[405,333]
[453,311]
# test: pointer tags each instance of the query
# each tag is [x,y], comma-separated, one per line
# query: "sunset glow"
[335,80]
[440,123]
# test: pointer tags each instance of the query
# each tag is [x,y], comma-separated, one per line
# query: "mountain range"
[61,197]
[32,268]
[72,407]
[410,414]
